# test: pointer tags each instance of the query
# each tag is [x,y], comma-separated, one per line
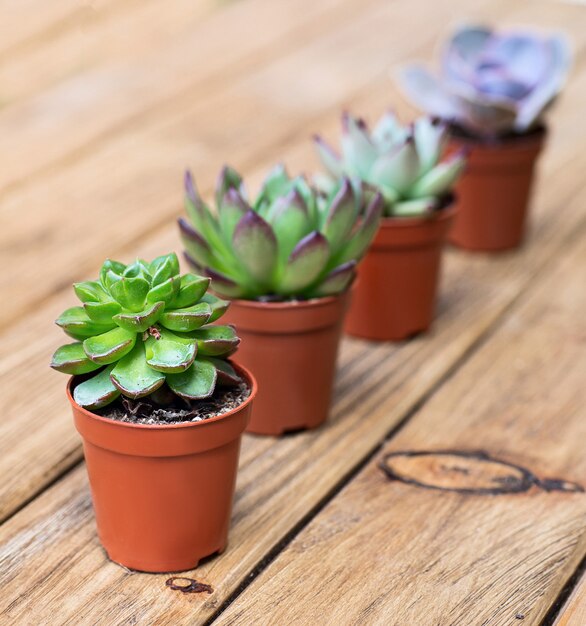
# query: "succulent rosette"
[142,326]
[404,163]
[291,242]
[491,82]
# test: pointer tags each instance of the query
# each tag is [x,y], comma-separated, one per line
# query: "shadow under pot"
[162,494]
[395,293]
[291,348]
[494,191]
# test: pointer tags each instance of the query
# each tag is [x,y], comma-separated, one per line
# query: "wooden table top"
[102,106]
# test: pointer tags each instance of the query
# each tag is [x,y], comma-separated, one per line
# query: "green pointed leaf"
[164,267]
[398,169]
[114,266]
[131,292]
[102,312]
[97,391]
[133,376]
[164,292]
[231,210]
[362,239]
[140,321]
[191,291]
[76,323]
[306,263]
[227,375]
[138,269]
[328,157]
[195,244]
[196,383]
[215,340]
[217,305]
[276,183]
[290,221]
[224,285]
[186,320]
[441,179]
[359,152]
[90,291]
[110,346]
[255,246]
[430,139]
[341,217]
[419,206]
[337,281]
[71,359]
[170,354]
[229,179]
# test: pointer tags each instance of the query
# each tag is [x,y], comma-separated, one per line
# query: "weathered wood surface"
[573,613]
[414,550]
[115,161]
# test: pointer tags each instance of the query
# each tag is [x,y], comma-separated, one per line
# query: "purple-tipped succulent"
[144,326]
[491,82]
[292,242]
[404,163]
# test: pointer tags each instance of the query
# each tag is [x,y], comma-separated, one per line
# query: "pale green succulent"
[403,162]
[142,326]
[292,242]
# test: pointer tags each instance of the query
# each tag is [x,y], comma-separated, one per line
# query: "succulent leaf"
[362,239]
[186,320]
[196,383]
[231,210]
[341,216]
[440,179]
[215,340]
[327,155]
[71,359]
[140,321]
[255,245]
[133,376]
[110,346]
[228,180]
[306,263]
[338,280]
[227,375]
[136,346]
[97,391]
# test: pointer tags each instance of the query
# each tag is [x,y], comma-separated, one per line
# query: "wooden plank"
[71,117]
[280,481]
[573,613]
[39,441]
[114,32]
[389,552]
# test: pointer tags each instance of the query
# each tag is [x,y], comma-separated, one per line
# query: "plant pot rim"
[289,304]
[250,379]
[534,136]
[445,213]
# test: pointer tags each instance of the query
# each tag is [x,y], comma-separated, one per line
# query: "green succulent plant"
[403,162]
[142,326]
[291,242]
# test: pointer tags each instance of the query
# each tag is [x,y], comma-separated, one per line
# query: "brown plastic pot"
[395,293]
[291,348]
[494,192]
[162,494]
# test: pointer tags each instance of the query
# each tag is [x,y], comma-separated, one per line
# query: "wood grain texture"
[394,553]
[573,613]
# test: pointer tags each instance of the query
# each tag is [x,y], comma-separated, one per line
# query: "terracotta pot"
[291,348]
[494,192]
[395,293]
[162,494]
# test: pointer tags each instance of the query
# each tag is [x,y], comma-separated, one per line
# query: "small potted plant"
[493,89]
[286,261]
[160,410]
[395,293]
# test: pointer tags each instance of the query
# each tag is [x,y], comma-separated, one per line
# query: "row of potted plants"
[158,402]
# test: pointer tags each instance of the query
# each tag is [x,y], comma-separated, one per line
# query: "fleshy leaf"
[290,221]
[306,263]
[418,206]
[194,243]
[90,291]
[328,157]
[140,321]
[359,152]
[337,281]
[109,347]
[227,375]
[229,179]
[441,178]
[186,320]
[217,305]
[164,292]
[109,265]
[77,324]
[341,216]
[196,383]
[231,210]
[71,359]
[255,245]
[97,391]
[397,169]
[224,285]
[191,291]
[133,376]
[102,312]
[131,292]
[163,268]
[430,138]
[169,354]
[215,340]
[361,241]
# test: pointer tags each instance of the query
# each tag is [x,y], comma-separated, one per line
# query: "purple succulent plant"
[492,82]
